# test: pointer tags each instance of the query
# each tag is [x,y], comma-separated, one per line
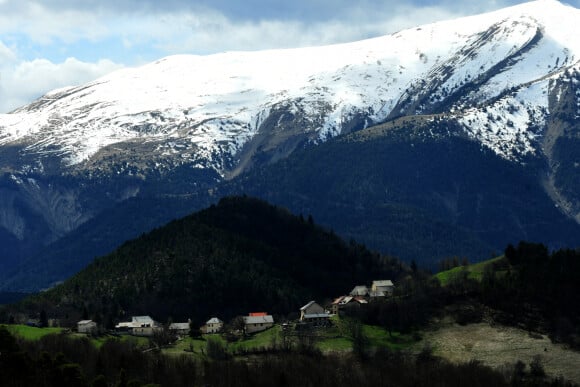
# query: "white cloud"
[42,25]
[209,30]
[29,80]
[6,54]
[123,32]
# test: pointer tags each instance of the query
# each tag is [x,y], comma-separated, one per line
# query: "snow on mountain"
[202,109]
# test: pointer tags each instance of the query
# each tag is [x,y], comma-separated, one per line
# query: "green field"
[32,333]
[474,271]
[335,344]
[380,338]
[332,339]
[259,340]
[197,347]
[189,346]
[335,339]
[138,341]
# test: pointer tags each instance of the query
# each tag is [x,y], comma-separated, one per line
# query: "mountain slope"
[97,237]
[412,188]
[203,110]
[417,191]
[237,256]
[508,80]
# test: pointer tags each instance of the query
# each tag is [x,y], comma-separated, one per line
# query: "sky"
[48,44]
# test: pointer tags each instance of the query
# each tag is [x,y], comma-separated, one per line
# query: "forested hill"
[238,256]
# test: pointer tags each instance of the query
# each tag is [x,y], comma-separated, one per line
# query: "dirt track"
[498,345]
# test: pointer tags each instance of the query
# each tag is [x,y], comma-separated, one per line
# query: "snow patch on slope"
[511,125]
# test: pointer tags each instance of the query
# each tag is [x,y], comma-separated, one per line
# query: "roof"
[258,319]
[383,283]
[308,305]
[85,322]
[214,320]
[142,319]
[360,290]
[257,314]
[343,300]
[137,322]
[179,326]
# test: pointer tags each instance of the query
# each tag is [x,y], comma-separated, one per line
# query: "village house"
[314,313]
[382,288]
[257,322]
[179,329]
[213,325]
[86,326]
[139,326]
[345,303]
[360,291]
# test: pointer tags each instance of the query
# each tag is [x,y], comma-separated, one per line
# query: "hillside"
[407,189]
[411,190]
[472,271]
[508,287]
[238,256]
[97,237]
[498,91]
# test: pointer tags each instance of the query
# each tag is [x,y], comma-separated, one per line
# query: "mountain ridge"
[508,81]
[193,106]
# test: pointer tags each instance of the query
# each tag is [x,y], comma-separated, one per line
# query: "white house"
[382,288]
[86,326]
[139,326]
[213,325]
[313,313]
[360,291]
[180,329]
[343,303]
[257,322]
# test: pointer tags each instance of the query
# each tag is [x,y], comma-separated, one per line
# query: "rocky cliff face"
[561,144]
[36,210]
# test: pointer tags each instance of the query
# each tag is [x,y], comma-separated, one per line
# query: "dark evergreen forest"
[238,256]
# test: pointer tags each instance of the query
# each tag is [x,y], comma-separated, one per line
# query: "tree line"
[529,287]
[58,360]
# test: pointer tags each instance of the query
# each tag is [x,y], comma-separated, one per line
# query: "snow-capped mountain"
[509,80]
[201,110]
